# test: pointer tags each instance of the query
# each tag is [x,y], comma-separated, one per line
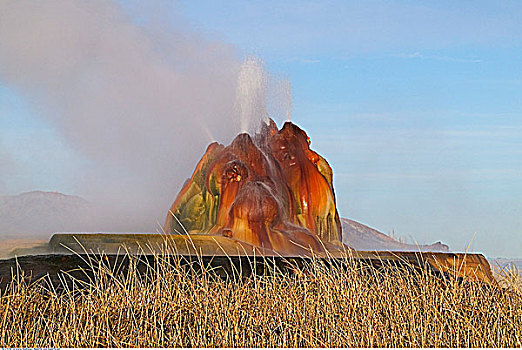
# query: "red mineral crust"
[270,191]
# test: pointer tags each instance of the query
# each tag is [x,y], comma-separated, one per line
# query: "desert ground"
[9,243]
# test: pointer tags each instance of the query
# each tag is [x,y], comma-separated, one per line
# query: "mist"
[134,92]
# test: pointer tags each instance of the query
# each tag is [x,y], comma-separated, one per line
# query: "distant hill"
[507,264]
[38,213]
[362,237]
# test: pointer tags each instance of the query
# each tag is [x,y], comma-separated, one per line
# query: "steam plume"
[139,97]
[139,101]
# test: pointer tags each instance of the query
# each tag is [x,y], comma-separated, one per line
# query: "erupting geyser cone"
[268,194]
[269,190]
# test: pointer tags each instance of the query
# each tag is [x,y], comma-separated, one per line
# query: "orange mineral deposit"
[270,191]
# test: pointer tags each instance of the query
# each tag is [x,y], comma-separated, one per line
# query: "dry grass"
[314,306]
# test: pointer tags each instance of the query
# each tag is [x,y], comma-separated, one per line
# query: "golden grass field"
[314,306]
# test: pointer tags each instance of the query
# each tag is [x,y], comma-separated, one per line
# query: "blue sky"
[416,105]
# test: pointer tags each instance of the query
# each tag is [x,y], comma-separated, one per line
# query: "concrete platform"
[64,249]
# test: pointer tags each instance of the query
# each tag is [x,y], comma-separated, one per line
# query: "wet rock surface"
[269,190]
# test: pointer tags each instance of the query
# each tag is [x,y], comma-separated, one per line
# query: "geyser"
[269,190]
[266,194]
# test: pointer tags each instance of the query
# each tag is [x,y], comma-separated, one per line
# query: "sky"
[416,105]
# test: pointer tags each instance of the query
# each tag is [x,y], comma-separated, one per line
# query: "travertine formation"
[270,191]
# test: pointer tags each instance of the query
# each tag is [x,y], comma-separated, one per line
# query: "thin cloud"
[419,55]
[303,60]
[489,174]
